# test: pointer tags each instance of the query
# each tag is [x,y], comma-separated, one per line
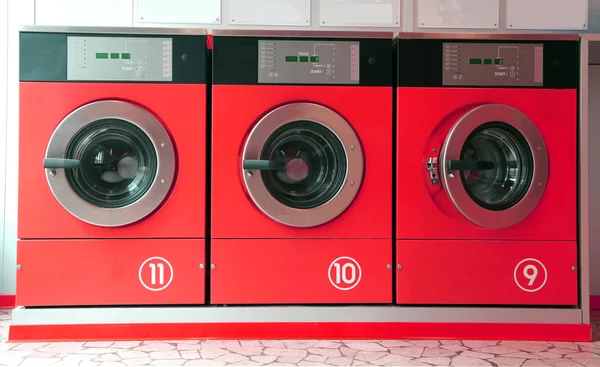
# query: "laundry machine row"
[346,176]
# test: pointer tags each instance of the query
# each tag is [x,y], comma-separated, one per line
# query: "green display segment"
[314,59]
[102,55]
[291,59]
[475,61]
[126,56]
[487,61]
[498,61]
[303,58]
[114,56]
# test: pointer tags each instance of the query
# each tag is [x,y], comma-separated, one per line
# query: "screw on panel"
[52,173]
[399,266]
[539,184]
[351,183]
[352,147]
[434,150]
[539,148]
[574,268]
[451,175]
[389,266]
[248,174]
[19,267]
[212,266]
[201,266]
[162,181]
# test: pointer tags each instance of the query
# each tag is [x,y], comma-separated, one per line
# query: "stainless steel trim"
[453,146]
[591,37]
[157,315]
[113,30]
[584,220]
[87,212]
[490,36]
[354,155]
[308,34]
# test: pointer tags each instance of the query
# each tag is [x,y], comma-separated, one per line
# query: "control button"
[372,61]
[184,57]
[328,72]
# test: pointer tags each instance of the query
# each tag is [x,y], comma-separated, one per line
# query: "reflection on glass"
[118,163]
[312,161]
[507,183]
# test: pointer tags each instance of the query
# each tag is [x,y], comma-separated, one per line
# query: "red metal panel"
[486,272]
[110,272]
[236,109]
[301,330]
[181,109]
[425,115]
[301,271]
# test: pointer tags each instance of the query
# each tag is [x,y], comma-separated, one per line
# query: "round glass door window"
[308,165]
[494,166]
[110,163]
[118,163]
[302,165]
[502,169]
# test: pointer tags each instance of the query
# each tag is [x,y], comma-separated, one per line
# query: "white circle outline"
[545,275]
[142,267]
[355,263]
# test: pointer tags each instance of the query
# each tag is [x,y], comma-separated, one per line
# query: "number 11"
[161,273]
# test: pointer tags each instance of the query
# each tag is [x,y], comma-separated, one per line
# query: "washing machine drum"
[110,163]
[302,165]
[494,166]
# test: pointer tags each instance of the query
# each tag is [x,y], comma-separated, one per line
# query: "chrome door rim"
[452,150]
[354,158]
[111,217]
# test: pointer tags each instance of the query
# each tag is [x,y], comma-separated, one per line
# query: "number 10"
[161,273]
[341,273]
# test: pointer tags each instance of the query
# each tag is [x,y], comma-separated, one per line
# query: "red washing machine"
[301,168]
[487,170]
[111,166]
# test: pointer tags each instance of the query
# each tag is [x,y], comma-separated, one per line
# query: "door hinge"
[432,167]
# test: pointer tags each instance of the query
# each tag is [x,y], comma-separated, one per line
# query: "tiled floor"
[297,353]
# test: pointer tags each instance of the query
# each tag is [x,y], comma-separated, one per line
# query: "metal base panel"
[297,322]
[290,314]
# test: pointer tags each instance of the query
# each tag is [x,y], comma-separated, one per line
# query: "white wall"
[128,13]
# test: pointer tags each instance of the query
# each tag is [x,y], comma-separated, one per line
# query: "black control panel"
[302,61]
[132,58]
[487,63]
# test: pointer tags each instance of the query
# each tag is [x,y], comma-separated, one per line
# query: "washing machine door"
[302,164]
[494,166]
[110,163]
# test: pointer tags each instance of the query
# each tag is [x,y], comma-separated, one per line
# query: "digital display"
[493,64]
[308,62]
[119,58]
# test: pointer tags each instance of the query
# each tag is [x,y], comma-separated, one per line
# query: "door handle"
[54,163]
[469,165]
[263,165]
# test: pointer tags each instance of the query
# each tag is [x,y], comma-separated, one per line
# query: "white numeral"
[161,273]
[341,273]
[531,275]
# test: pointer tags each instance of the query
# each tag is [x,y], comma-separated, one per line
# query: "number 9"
[530,272]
